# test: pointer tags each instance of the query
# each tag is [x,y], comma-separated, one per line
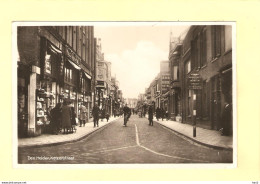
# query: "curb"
[194,140]
[64,142]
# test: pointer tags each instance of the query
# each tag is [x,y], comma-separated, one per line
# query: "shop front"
[86,92]
[47,90]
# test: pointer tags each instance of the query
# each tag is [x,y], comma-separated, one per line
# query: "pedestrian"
[73,118]
[162,113]
[158,113]
[103,114]
[82,114]
[95,114]
[139,113]
[66,117]
[56,118]
[126,114]
[107,116]
[167,115]
[226,118]
[129,114]
[150,115]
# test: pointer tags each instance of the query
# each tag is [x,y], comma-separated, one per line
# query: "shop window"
[68,74]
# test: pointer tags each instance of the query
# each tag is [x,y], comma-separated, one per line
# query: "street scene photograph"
[124,93]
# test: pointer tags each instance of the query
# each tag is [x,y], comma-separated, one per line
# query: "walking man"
[95,114]
[126,111]
[150,115]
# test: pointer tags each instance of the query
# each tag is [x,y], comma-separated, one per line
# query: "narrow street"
[136,143]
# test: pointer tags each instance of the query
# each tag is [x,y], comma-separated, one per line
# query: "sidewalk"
[210,138]
[50,139]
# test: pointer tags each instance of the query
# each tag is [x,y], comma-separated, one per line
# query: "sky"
[135,53]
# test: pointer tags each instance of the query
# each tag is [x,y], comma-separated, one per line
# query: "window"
[228,37]
[175,73]
[69,35]
[204,48]
[198,52]
[216,41]
[83,44]
[74,38]
[188,67]
[79,40]
[70,74]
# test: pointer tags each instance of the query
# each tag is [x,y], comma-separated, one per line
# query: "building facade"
[56,63]
[176,69]
[206,52]
[164,84]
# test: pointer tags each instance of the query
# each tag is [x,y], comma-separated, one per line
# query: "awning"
[55,49]
[87,75]
[74,65]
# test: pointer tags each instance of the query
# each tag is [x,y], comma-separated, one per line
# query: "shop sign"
[48,64]
[73,56]
[194,81]
[100,84]
[61,67]
[100,74]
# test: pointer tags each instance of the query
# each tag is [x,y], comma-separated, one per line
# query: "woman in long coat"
[56,118]
[66,117]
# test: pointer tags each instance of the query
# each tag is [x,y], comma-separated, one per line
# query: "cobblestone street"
[136,143]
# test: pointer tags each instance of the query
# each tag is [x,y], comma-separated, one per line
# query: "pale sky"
[135,53]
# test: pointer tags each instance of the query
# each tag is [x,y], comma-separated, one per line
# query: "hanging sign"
[194,81]
[48,64]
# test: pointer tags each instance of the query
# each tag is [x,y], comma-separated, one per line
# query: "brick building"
[206,51]
[56,63]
